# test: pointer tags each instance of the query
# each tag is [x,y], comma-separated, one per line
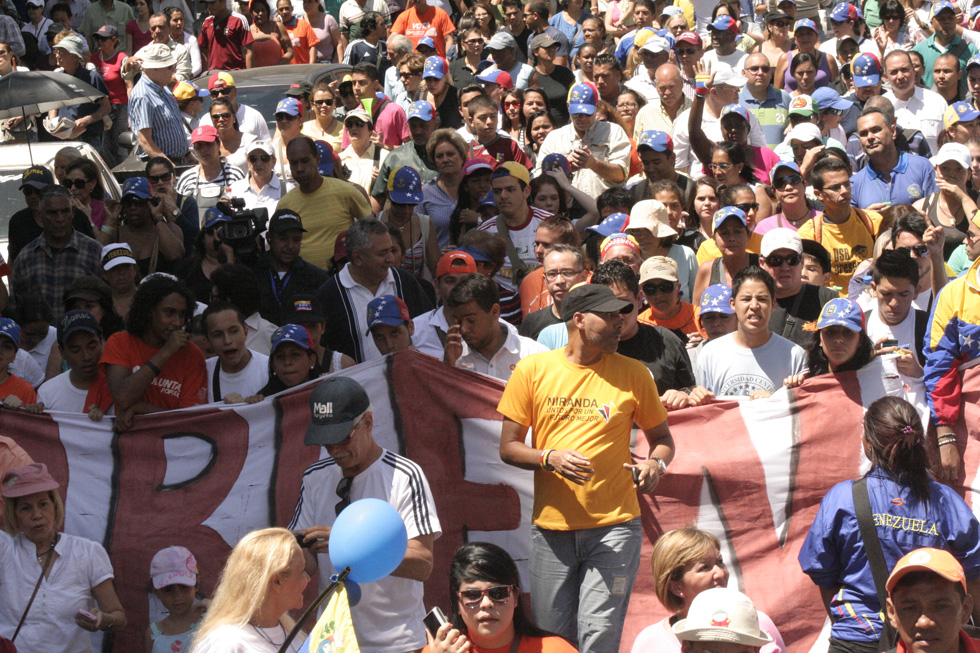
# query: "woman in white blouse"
[73,575]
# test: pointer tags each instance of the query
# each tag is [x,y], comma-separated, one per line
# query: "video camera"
[242,232]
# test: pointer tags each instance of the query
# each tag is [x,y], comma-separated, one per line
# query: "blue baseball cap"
[435,67]
[326,158]
[294,333]
[405,185]
[426,40]
[804,23]
[137,186]
[486,200]
[737,109]
[657,141]
[499,77]
[828,98]
[479,256]
[866,69]
[74,321]
[975,59]
[290,106]
[10,329]
[959,112]
[36,176]
[556,160]
[387,309]
[716,299]
[724,24]
[779,166]
[728,212]
[844,11]
[213,217]
[582,99]
[613,224]
[841,312]
[423,110]
[939,6]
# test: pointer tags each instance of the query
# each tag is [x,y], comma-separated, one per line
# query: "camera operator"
[263,188]
[140,221]
[282,272]
[207,254]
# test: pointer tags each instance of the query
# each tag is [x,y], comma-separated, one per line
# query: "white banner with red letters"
[752,472]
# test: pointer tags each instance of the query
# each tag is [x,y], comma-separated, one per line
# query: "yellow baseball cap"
[512,169]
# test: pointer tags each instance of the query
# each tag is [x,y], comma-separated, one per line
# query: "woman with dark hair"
[730,165]
[82,181]
[152,366]
[486,19]
[271,45]
[485,611]
[841,344]
[474,185]
[553,192]
[805,33]
[209,253]
[326,28]
[232,141]
[92,294]
[897,31]
[512,120]
[803,68]
[899,487]
[730,235]
[292,359]
[628,104]
[702,205]
[539,125]
[535,99]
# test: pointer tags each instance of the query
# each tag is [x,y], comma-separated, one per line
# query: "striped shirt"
[389,615]
[154,107]
[191,181]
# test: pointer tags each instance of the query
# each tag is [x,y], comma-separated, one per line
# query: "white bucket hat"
[720,614]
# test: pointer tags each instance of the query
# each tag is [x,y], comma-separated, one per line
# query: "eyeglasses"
[651,288]
[255,158]
[724,167]
[411,73]
[472,598]
[627,105]
[220,116]
[156,179]
[76,183]
[285,117]
[747,206]
[759,69]
[917,251]
[775,260]
[218,92]
[343,491]
[513,104]
[779,182]
[323,103]
[567,274]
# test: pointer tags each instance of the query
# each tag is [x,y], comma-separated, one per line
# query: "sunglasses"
[664,286]
[411,73]
[775,260]
[343,491]
[513,104]
[323,103]
[356,124]
[255,158]
[687,52]
[220,116]
[472,598]
[748,206]
[75,183]
[218,92]
[156,179]
[779,182]
[759,69]
[917,251]
[720,166]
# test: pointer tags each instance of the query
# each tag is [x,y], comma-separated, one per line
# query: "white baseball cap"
[956,152]
[725,74]
[805,132]
[780,238]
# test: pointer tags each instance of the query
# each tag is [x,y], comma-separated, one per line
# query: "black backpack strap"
[921,327]
[872,548]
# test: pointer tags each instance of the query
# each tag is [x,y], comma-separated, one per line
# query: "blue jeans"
[581,582]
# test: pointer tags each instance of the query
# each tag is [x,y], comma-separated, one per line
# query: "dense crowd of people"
[617,208]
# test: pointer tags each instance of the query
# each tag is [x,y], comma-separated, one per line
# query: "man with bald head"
[769,104]
[659,113]
[906,140]
[914,106]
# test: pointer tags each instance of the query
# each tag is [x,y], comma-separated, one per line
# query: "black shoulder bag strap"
[216,382]
[876,559]
[30,602]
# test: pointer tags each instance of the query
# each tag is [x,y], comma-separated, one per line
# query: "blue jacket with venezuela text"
[833,554]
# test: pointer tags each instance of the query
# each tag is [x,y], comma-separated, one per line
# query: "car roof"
[269,75]
[19,157]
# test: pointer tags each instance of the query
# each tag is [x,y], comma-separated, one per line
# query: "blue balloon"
[368,536]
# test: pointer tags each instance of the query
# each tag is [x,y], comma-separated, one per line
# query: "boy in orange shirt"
[14,390]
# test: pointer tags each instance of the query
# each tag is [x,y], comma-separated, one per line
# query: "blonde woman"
[263,579]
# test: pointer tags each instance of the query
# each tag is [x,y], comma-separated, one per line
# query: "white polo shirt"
[923,111]
[503,362]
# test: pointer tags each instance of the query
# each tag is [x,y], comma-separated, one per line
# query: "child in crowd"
[174,574]
[14,391]
[715,317]
[80,346]
[816,264]
[292,361]
[236,373]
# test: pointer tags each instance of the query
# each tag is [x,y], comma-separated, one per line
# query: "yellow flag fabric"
[334,630]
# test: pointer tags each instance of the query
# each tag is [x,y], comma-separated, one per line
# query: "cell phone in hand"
[433,620]
[888,343]
[636,476]
[301,541]
[85,614]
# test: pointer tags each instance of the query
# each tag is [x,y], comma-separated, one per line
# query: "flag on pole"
[334,630]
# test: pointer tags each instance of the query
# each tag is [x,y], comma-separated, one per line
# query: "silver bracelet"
[661,464]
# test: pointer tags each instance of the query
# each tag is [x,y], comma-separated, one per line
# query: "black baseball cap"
[303,308]
[284,220]
[75,321]
[592,298]
[817,251]
[334,405]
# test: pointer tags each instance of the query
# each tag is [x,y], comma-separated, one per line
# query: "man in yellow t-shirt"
[329,206]
[847,234]
[580,403]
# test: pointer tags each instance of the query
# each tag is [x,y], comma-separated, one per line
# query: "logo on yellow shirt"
[607,410]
